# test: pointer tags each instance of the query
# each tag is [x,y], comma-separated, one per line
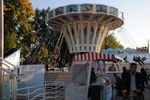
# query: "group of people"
[131,81]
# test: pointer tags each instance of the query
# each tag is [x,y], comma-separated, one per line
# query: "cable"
[125,37]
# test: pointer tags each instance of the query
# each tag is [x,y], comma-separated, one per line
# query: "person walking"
[132,81]
[46,67]
[144,76]
[112,68]
[124,71]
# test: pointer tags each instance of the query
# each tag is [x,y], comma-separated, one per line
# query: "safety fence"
[7,80]
[51,90]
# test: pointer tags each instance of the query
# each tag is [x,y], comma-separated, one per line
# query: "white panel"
[95,31]
[65,10]
[87,36]
[94,8]
[99,36]
[76,37]
[88,33]
[82,36]
[79,32]
[71,37]
[103,36]
[96,37]
[70,34]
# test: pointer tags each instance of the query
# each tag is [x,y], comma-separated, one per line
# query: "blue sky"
[136,14]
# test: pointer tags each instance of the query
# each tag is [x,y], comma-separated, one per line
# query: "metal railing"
[50,90]
[33,92]
[7,63]
[55,90]
[8,80]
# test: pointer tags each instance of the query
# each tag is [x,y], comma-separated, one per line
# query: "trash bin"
[101,90]
[95,92]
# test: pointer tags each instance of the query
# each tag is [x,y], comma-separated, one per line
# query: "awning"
[97,56]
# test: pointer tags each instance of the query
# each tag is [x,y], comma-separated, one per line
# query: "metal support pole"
[44,92]
[1,28]
[1,47]
[1,84]
[55,91]
[14,88]
[8,82]
[28,94]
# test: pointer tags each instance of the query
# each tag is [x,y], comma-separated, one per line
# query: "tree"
[41,50]
[43,53]
[18,31]
[24,30]
[111,42]
[47,39]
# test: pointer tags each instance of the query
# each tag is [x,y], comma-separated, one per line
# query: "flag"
[13,61]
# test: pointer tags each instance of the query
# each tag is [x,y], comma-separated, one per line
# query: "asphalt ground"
[146,95]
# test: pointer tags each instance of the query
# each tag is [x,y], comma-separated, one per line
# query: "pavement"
[75,92]
[147,94]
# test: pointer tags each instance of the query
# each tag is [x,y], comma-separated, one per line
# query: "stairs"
[58,76]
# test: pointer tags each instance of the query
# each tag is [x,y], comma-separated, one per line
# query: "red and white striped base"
[96,56]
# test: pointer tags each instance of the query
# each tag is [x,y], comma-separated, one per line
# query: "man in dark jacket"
[132,80]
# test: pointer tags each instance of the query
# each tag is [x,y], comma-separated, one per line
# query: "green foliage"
[43,52]
[17,27]
[45,39]
[11,40]
[111,42]
[26,28]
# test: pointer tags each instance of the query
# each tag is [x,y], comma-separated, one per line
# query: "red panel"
[92,55]
[73,58]
[81,57]
[77,58]
[88,56]
[96,56]
[104,56]
[84,56]
[100,56]
[108,56]
[113,57]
